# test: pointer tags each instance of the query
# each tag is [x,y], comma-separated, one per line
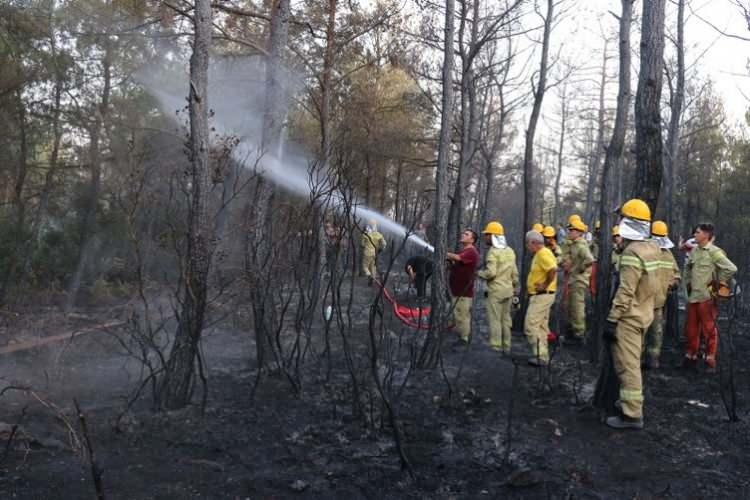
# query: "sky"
[722,58]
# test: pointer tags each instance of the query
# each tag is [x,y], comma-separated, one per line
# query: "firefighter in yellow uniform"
[565,245]
[501,275]
[668,276]
[632,310]
[372,243]
[578,266]
[541,285]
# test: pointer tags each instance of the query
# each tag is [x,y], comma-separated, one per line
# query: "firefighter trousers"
[536,324]
[498,317]
[626,355]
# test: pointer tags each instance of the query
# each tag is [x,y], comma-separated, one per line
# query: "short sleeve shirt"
[462,273]
[543,262]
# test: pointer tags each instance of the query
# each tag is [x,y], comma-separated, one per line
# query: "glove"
[610,332]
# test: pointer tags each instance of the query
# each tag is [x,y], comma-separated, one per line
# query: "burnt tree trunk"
[648,140]
[431,349]
[528,155]
[564,109]
[607,385]
[596,159]
[199,241]
[260,253]
[677,97]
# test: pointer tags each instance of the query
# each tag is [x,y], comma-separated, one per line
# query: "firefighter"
[461,282]
[668,275]
[707,274]
[372,243]
[577,264]
[541,285]
[632,310]
[550,241]
[501,275]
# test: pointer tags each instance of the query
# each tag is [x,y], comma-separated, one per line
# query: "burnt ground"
[312,445]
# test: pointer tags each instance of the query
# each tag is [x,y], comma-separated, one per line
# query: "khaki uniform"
[580,258]
[536,324]
[372,242]
[501,274]
[633,311]
[615,260]
[705,266]
[667,274]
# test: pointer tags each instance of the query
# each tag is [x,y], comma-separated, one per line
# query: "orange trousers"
[701,321]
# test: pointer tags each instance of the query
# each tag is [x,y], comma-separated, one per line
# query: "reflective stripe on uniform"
[633,261]
[628,395]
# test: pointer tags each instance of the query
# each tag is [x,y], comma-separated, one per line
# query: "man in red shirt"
[461,280]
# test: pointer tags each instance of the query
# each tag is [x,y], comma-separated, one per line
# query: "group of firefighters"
[644,270]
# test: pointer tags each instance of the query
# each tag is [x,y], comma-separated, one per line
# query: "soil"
[313,444]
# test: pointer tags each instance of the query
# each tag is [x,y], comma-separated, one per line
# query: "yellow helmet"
[577,224]
[548,232]
[574,217]
[598,224]
[494,228]
[659,228]
[537,227]
[636,209]
[615,230]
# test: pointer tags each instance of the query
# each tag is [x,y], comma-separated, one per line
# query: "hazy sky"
[724,59]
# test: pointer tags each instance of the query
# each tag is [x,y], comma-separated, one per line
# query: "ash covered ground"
[314,443]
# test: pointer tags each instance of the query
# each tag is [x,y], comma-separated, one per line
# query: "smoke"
[237,97]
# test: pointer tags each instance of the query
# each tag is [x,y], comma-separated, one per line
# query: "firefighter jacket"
[634,300]
[500,272]
[372,242]
[580,259]
[668,274]
[706,265]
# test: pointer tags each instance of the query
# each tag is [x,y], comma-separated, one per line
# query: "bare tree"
[676,99]
[431,349]
[606,390]
[528,155]
[648,136]
[199,241]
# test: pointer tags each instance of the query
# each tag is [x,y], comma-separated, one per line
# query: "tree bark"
[648,137]
[431,349]
[180,366]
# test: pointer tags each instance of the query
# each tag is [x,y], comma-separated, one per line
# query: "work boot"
[538,362]
[625,422]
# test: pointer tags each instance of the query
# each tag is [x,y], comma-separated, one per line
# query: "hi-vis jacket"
[706,265]
[634,301]
[500,272]
[668,273]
